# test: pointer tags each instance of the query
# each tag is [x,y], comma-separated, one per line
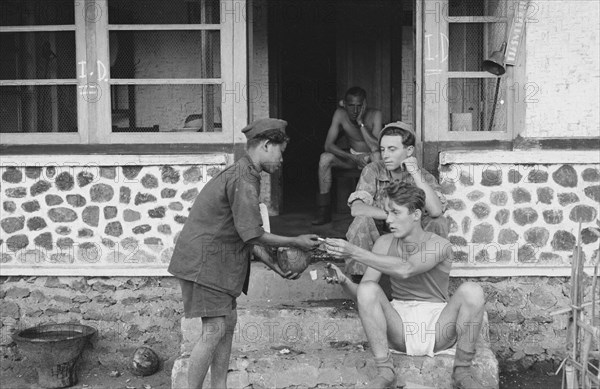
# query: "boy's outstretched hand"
[334,275]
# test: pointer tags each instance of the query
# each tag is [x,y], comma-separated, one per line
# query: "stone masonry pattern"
[95,215]
[512,215]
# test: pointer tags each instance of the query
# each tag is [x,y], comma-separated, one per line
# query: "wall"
[132,311]
[521,209]
[89,219]
[562,92]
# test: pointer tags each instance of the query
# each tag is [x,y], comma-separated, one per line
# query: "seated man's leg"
[461,321]
[363,233]
[438,225]
[326,163]
[383,326]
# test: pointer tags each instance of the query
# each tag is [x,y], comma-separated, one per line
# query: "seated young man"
[422,318]
[360,126]
[398,164]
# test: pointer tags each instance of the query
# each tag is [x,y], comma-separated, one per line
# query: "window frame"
[435,119]
[94,118]
[79,137]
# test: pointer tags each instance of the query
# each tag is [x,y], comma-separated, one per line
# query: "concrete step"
[316,344]
[306,325]
[344,366]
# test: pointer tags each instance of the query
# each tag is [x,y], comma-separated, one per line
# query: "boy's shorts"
[201,301]
[419,319]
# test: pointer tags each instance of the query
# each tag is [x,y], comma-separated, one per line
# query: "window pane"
[165,54]
[496,8]
[471,43]
[36,12]
[38,108]
[164,108]
[471,104]
[37,55]
[164,12]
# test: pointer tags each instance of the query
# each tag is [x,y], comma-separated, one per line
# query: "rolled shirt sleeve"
[437,188]
[367,186]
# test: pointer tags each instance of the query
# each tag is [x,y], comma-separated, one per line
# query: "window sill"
[525,157]
[114,160]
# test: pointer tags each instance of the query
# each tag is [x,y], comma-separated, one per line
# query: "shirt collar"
[247,164]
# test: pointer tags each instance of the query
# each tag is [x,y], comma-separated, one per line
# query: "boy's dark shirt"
[211,248]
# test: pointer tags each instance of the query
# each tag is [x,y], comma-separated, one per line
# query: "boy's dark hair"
[410,196]
[275,136]
[356,91]
[408,137]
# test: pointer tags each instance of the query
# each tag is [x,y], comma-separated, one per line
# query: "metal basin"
[54,350]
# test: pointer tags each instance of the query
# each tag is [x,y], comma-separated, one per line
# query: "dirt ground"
[101,378]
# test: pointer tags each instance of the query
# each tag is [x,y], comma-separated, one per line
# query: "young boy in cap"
[212,255]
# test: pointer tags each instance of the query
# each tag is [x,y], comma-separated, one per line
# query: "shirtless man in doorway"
[361,126]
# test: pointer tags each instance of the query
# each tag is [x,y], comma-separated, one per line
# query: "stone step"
[314,344]
[344,366]
[306,326]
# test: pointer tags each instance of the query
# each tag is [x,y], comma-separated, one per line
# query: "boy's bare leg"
[461,320]
[213,330]
[381,323]
[220,362]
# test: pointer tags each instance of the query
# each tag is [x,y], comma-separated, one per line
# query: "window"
[462,101]
[114,71]
[38,87]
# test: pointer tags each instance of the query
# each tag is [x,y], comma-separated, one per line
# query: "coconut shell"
[145,361]
[292,259]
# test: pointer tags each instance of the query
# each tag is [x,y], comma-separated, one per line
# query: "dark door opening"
[302,49]
[317,50]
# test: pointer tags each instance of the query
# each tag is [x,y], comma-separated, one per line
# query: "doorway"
[317,50]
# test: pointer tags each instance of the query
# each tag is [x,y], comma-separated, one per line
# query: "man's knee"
[326,160]
[471,294]
[367,292]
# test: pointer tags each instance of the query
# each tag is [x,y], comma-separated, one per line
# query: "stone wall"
[521,214]
[127,312]
[94,217]
[132,311]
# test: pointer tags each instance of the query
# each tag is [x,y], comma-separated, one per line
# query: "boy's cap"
[261,125]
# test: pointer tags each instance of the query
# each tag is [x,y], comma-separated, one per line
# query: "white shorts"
[419,320]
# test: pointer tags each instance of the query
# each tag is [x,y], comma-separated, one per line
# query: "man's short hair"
[408,137]
[275,136]
[356,91]
[407,195]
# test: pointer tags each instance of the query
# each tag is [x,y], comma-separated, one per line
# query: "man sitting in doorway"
[398,164]
[361,126]
[422,318]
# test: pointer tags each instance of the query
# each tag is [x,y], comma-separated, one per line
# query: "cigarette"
[320,239]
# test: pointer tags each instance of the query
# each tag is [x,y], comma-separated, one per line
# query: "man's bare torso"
[352,130]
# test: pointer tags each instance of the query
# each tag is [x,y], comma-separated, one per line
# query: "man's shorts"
[419,320]
[200,301]
[366,156]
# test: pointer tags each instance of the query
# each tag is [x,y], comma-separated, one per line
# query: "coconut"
[145,361]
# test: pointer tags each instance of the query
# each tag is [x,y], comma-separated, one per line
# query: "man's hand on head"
[411,165]
[361,115]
